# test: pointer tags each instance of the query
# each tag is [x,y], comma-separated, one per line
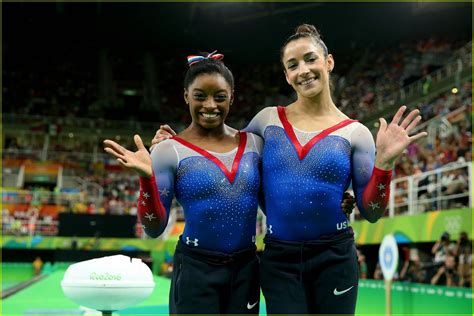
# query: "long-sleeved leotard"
[218,193]
[305,175]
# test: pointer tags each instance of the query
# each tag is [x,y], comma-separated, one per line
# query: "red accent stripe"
[235,165]
[154,206]
[302,151]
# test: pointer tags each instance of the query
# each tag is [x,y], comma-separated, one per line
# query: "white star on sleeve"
[363,170]
[143,202]
[383,194]
[150,216]
[164,192]
[373,205]
[146,195]
[381,186]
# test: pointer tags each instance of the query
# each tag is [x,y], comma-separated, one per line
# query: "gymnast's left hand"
[393,138]
[140,160]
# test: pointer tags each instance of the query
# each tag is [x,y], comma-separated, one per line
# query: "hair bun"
[308,28]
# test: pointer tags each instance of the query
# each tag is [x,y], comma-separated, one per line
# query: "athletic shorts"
[310,277]
[211,282]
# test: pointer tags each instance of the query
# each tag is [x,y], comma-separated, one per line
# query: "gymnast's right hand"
[165,132]
[140,160]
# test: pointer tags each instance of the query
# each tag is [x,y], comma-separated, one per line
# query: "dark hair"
[305,31]
[445,236]
[208,66]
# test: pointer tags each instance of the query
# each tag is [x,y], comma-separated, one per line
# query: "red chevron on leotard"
[302,151]
[230,174]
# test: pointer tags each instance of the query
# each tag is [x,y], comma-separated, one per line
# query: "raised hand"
[165,132]
[140,160]
[393,138]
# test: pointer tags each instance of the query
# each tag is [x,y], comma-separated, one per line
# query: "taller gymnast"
[312,152]
[213,170]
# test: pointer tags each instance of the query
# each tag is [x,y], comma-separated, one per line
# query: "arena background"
[75,74]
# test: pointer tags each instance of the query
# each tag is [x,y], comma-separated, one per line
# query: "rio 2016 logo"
[105,277]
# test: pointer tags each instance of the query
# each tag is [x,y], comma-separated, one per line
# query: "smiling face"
[306,67]
[209,97]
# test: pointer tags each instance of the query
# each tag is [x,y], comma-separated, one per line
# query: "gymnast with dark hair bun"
[312,153]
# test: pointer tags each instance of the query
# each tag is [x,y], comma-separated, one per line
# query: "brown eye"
[199,97]
[220,98]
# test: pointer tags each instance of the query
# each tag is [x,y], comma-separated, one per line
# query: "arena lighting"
[454,90]
[129,92]
[71,135]
[117,137]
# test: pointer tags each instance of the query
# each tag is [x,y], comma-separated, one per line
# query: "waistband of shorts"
[325,240]
[216,257]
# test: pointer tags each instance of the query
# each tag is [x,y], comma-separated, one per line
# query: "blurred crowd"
[446,263]
[121,87]
[65,94]
[384,73]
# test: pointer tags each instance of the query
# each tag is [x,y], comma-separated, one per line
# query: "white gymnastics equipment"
[108,284]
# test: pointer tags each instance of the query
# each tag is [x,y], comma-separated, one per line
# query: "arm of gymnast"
[156,182]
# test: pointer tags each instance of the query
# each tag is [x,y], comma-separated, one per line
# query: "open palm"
[393,138]
[139,160]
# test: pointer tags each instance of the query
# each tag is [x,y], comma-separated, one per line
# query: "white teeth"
[307,81]
[209,115]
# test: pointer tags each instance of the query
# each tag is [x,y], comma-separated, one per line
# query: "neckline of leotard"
[302,151]
[230,174]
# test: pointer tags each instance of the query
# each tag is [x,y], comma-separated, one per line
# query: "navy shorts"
[310,277]
[211,282]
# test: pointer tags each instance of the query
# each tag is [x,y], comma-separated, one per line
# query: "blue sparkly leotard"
[218,193]
[304,176]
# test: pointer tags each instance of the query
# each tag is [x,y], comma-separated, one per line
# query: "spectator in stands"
[32,215]
[37,266]
[362,265]
[412,270]
[446,274]
[442,248]
[378,272]
[463,251]
[454,182]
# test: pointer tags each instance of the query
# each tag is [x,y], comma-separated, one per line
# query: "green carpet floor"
[46,298]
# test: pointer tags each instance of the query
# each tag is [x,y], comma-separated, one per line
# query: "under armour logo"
[269,229]
[194,242]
